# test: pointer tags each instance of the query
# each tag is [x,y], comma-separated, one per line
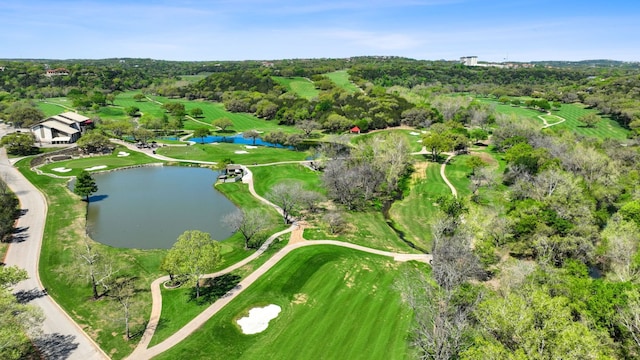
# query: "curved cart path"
[61,338]
[143,352]
[444,176]
[546,123]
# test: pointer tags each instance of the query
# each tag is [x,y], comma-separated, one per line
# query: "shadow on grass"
[213,289]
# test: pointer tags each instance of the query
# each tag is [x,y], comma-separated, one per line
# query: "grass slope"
[336,303]
[412,140]
[414,212]
[299,85]
[606,128]
[268,176]
[341,79]
[219,152]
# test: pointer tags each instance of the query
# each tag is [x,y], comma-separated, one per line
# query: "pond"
[235,139]
[149,207]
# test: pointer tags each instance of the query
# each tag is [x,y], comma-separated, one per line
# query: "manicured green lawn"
[413,214]
[267,176]
[606,128]
[53,106]
[59,268]
[458,174]
[111,162]
[221,151]
[299,85]
[341,78]
[336,303]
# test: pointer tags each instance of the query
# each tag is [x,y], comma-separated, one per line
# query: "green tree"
[589,120]
[201,133]
[222,123]
[19,143]
[24,114]
[194,254]
[94,142]
[436,143]
[139,97]
[18,322]
[475,163]
[478,134]
[85,185]
[132,110]
[196,112]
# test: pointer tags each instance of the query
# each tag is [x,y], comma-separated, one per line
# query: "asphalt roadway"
[61,337]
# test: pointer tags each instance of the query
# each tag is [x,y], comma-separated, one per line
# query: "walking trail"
[143,351]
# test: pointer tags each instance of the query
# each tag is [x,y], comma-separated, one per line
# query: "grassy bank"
[239,154]
[317,288]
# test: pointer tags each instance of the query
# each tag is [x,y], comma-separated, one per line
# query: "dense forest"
[542,261]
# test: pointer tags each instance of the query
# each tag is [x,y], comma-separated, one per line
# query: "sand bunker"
[419,141]
[241,152]
[251,147]
[123,154]
[96,167]
[414,133]
[61,169]
[258,319]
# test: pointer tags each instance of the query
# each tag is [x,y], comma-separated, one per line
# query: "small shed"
[355,130]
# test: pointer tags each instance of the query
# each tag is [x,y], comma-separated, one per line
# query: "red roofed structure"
[355,130]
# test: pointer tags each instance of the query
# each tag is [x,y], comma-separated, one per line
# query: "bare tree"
[248,222]
[307,126]
[286,195]
[440,325]
[453,259]
[335,221]
[622,245]
[310,200]
[251,134]
[123,290]
[96,267]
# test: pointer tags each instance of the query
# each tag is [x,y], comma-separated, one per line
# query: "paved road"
[61,337]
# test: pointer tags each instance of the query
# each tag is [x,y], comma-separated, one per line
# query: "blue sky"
[267,29]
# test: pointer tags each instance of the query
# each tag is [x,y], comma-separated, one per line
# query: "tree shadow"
[25,296]
[56,346]
[18,235]
[96,198]
[215,288]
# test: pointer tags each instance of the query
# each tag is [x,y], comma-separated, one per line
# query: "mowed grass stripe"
[606,128]
[341,79]
[335,322]
[414,213]
[304,87]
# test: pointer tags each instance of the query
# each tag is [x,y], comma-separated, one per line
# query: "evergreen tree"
[85,185]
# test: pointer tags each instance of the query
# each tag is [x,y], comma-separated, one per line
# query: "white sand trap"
[241,152]
[419,141]
[414,133]
[251,147]
[215,143]
[123,154]
[258,319]
[61,169]
[96,167]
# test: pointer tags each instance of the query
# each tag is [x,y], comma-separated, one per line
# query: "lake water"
[149,207]
[235,139]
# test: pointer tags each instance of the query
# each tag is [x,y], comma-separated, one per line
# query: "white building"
[65,128]
[469,60]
